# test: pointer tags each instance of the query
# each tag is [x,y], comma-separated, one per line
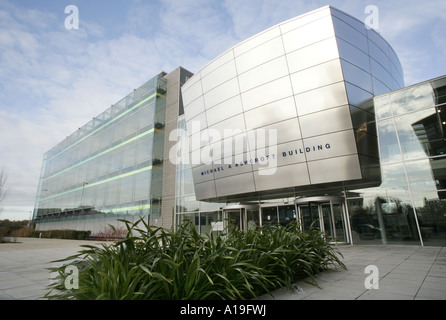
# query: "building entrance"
[241,217]
[327,214]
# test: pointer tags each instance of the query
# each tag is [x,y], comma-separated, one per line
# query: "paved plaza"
[403,272]
[24,264]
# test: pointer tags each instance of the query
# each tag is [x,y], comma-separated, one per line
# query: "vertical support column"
[321,217]
[175,80]
[346,216]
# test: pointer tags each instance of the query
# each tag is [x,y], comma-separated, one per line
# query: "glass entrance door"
[241,217]
[328,221]
[327,214]
[309,215]
[339,223]
[234,220]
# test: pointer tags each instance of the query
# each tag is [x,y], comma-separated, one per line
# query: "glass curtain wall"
[205,216]
[111,166]
[411,201]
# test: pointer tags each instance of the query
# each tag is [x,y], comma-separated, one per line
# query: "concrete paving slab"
[405,272]
[4,296]
[383,295]
[24,265]
[434,283]
[29,292]
[336,293]
[400,286]
[430,294]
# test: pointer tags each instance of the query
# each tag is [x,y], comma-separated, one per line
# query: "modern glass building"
[307,86]
[113,167]
[407,206]
[308,120]
[304,81]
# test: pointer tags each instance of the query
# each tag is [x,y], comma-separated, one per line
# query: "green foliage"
[154,263]
[62,234]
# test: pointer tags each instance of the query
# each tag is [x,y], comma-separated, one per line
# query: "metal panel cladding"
[286,108]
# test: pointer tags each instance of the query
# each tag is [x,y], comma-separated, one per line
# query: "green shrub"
[63,234]
[154,263]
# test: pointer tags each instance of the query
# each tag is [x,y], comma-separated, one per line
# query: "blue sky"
[54,80]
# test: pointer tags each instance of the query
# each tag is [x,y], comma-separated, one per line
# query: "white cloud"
[410,28]
[53,81]
[252,16]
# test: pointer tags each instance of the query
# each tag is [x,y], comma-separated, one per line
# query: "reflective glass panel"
[394,181]
[355,75]
[415,131]
[310,78]
[221,93]
[382,107]
[335,119]
[257,56]
[312,55]
[350,34]
[412,99]
[267,93]
[323,98]
[211,222]
[438,167]
[308,34]
[256,41]
[192,218]
[269,215]
[264,73]
[353,55]
[218,76]
[432,219]
[274,112]
[287,214]
[382,220]
[388,142]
